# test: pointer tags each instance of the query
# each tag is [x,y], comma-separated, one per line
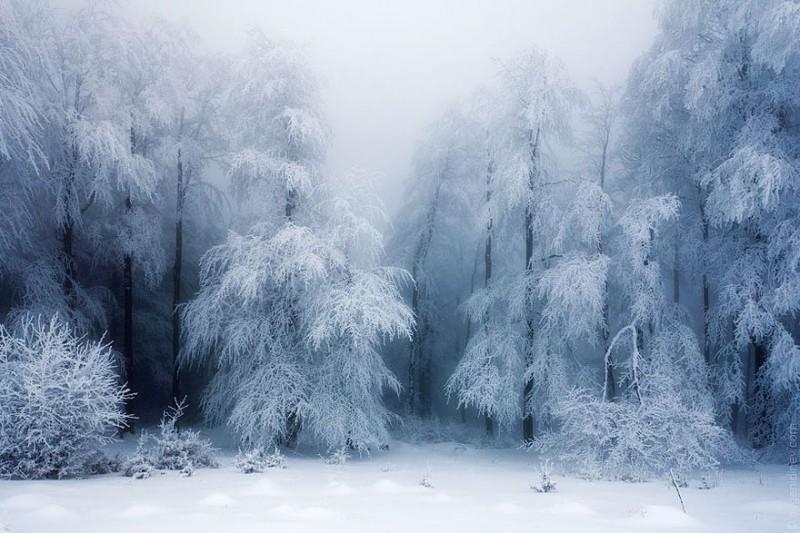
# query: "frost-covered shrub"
[171,449]
[258,460]
[338,457]
[663,420]
[631,441]
[709,481]
[138,465]
[546,483]
[427,478]
[60,401]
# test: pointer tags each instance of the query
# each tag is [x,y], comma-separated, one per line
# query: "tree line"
[600,272]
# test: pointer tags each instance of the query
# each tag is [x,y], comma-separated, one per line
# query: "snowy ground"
[473,491]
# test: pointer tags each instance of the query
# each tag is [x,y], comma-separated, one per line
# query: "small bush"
[427,478]
[257,460]
[172,449]
[139,465]
[60,401]
[546,483]
[338,457]
[709,480]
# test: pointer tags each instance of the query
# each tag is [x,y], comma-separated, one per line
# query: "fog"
[389,68]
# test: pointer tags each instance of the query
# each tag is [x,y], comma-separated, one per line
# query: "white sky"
[391,66]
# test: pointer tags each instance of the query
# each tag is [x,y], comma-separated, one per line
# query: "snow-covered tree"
[535,99]
[357,309]
[752,198]
[277,134]
[663,416]
[292,312]
[715,112]
[295,320]
[20,118]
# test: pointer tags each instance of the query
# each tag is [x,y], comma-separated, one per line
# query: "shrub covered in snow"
[427,478]
[635,441]
[139,465]
[338,457]
[171,449]
[60,401]
[545,483]
[258,460]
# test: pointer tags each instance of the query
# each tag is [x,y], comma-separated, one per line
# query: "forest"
[606,279]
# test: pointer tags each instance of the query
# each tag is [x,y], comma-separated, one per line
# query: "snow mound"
[442,498]
[507,508]
[570,508]
[661,517]
[218,499]
[313,513]
[388,486]
[340,489]
[54,512]
[775,507]
[25,500]
[264,487]
[141,509]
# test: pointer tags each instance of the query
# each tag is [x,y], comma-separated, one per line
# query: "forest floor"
[473,490]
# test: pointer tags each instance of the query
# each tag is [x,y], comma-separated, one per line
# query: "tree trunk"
[487,261]
[487,255]
[414,349]
[419,367]
[528,421]
[762,437]
[292,420]
[67,234]
[676,279]
[425,377]
[176,280]
[291,204]
[706,296]
[611,384]
[127,300]
[127,320]
[462,411]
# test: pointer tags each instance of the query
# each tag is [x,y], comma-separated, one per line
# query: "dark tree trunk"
[706,296]
[487,261]
[291,204]
[414,349]
[292,418]
[177,269]
[611,384]
[68,234]
[610,380]
[528,421]
[462,411]
[127,320]
[419,366]
[127,301]
[69,260]
[676,273]
[762,436]
[425,378]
